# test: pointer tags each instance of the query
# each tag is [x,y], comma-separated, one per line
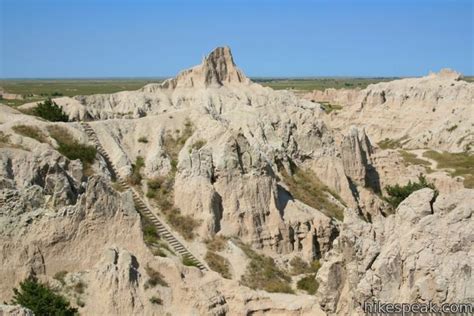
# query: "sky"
[268,38]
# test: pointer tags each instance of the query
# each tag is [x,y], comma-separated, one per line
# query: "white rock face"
[413,255]
[14,310]
[231,183]
[435,111]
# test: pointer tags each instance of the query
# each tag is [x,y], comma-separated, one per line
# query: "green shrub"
[328,107]
[262,273]
[60,276]
[41,299]
[150,233]
[156,300]
[136,177]
[198,144]
[143,139]
[80,302]
[388,143]
[79,287]
[308,284]
[31,132]
[173,145]
[71,148]
[452,128]
[50,111]
[154,278]
[217,243]
[218,263]
[187,261]
[397,193]
[299,266]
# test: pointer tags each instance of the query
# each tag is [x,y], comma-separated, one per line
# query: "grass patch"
[79,287]
[159,247]
[71,148]
[452,128]
[161,190]
[4,139]
[184,224]
[328,107]
[150,233]
[412,159]
[306,187]
[117,186]
[299,266]
[59,276]
[33,89]
[459,164]
[262,273]
[156,300]
[135,178]
[173,144]
[80,302]
[397,193]
[198,144]
[187,261]
[308,284]
[218,243]
[154,278]
[219,264]
[388,143]
[31,132]
[143,139]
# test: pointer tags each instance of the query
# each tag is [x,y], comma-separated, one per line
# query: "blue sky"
[118,38]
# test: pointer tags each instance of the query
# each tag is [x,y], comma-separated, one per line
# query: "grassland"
[458,164]
[310,84]
[38,90]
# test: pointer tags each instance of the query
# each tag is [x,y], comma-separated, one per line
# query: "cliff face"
[412,255]
[84,238]
[434,111]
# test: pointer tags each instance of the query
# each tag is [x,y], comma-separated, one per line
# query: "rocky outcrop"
[230,183]
[434,111]
[410,256]
[217,69]
[333,96]
[14,310]
[356,152]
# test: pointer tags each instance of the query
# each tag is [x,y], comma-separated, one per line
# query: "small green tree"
[399,193]
[41,299]
[50,111]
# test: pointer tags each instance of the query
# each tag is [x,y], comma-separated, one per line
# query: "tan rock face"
[409,256]
[435,111]
[217,69]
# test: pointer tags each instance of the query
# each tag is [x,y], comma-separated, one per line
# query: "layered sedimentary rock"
[412,255]
[434,111]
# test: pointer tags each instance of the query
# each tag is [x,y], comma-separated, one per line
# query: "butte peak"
[217,69]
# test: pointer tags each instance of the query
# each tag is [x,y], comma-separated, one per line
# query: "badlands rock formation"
[238,156]
[435,111]
[412,255]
